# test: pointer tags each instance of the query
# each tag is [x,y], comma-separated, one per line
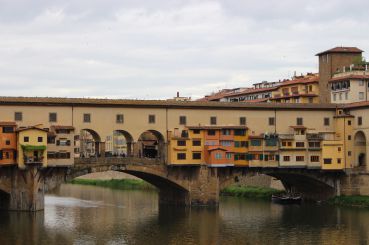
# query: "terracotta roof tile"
[341,50]
[351,76]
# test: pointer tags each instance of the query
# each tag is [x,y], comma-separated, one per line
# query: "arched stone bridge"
[187,185]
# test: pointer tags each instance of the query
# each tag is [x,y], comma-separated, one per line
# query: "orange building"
[8,143]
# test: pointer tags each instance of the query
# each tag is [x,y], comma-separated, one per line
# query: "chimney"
[177,94]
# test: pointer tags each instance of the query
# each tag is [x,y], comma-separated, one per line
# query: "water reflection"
[94,215]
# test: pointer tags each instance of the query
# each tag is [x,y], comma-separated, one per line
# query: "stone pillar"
[102,149]
[205,187]
[129,149]
[27,189]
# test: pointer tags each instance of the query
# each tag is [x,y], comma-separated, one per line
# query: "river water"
[77,214]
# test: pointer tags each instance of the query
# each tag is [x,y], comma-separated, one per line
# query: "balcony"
[31,160]
[287,136]
[314,137]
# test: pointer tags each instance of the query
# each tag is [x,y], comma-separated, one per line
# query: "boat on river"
[287,198]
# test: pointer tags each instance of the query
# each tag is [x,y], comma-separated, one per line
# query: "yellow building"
[31,146]
[303,89]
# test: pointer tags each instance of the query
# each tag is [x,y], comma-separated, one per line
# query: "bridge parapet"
[118,161]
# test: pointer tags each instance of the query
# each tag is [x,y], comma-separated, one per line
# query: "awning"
[33,147]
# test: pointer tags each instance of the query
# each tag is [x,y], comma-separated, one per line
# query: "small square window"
[196,131]
[39,139]
[87,117]
[242,120]
[213,120]
[52,117]
[151,119]
[18,116]
[271,121]
[359,121]
[196,155]
[299,121]
[26,139]
[119,118]
[7,142]
[326,121]
[182,120]
[181,156]
[349,137]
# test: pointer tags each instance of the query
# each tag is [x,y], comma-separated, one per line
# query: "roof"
[8,124]
[341,50]
[351,76]
[217,127]
[31,127]
[298,127]
[57,127]
[256,136]
[213,148]
[83,102]
[357,104]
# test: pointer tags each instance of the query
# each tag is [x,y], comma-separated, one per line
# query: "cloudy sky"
[149,49]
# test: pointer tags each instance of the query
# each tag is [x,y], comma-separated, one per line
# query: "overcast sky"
[150,49]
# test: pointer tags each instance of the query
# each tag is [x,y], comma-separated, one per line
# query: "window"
[255,142]
[181,156]
[339,149]
[151,119]
[211,132]
[26,139]
[271,142]
[51,139]
[182,120]
[346,96]
[18,116]
[284,143]
[271,121]
[7,155]
[196,155]
[240,132]
[349,122]
[7,142]
[227,143]
[361,83]
[314,144]
[299,121]
[311,100]
[300,144]
[8,129]
[196,143]
[229,155]
[349,153]
[286,158]
[334,97]
[361,95]
[327,160]
[359,121]
[338,160]
[181,143]
[213,120]
[349,137]
[119,118]
[218,155]
[87,117]
[300,158]
[314,158]
[52,117]
[39,139]
[289,143]
[242,120]
[326,121]
[226,132]
[196,131]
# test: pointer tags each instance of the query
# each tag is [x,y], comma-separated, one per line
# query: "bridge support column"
[205,187]
[27,190]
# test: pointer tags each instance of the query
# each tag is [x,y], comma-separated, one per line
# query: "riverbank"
[351,201]
[122,184]
[250,192]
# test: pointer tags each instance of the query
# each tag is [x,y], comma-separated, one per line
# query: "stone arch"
[360,145]
[151,144]
[90,144]
[4,200]
[120,143]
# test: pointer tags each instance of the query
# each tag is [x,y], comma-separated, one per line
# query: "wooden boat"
[287,199]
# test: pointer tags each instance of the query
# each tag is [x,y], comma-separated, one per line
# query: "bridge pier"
[26,189]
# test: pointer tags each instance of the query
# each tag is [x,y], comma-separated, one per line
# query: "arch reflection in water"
[93,215]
